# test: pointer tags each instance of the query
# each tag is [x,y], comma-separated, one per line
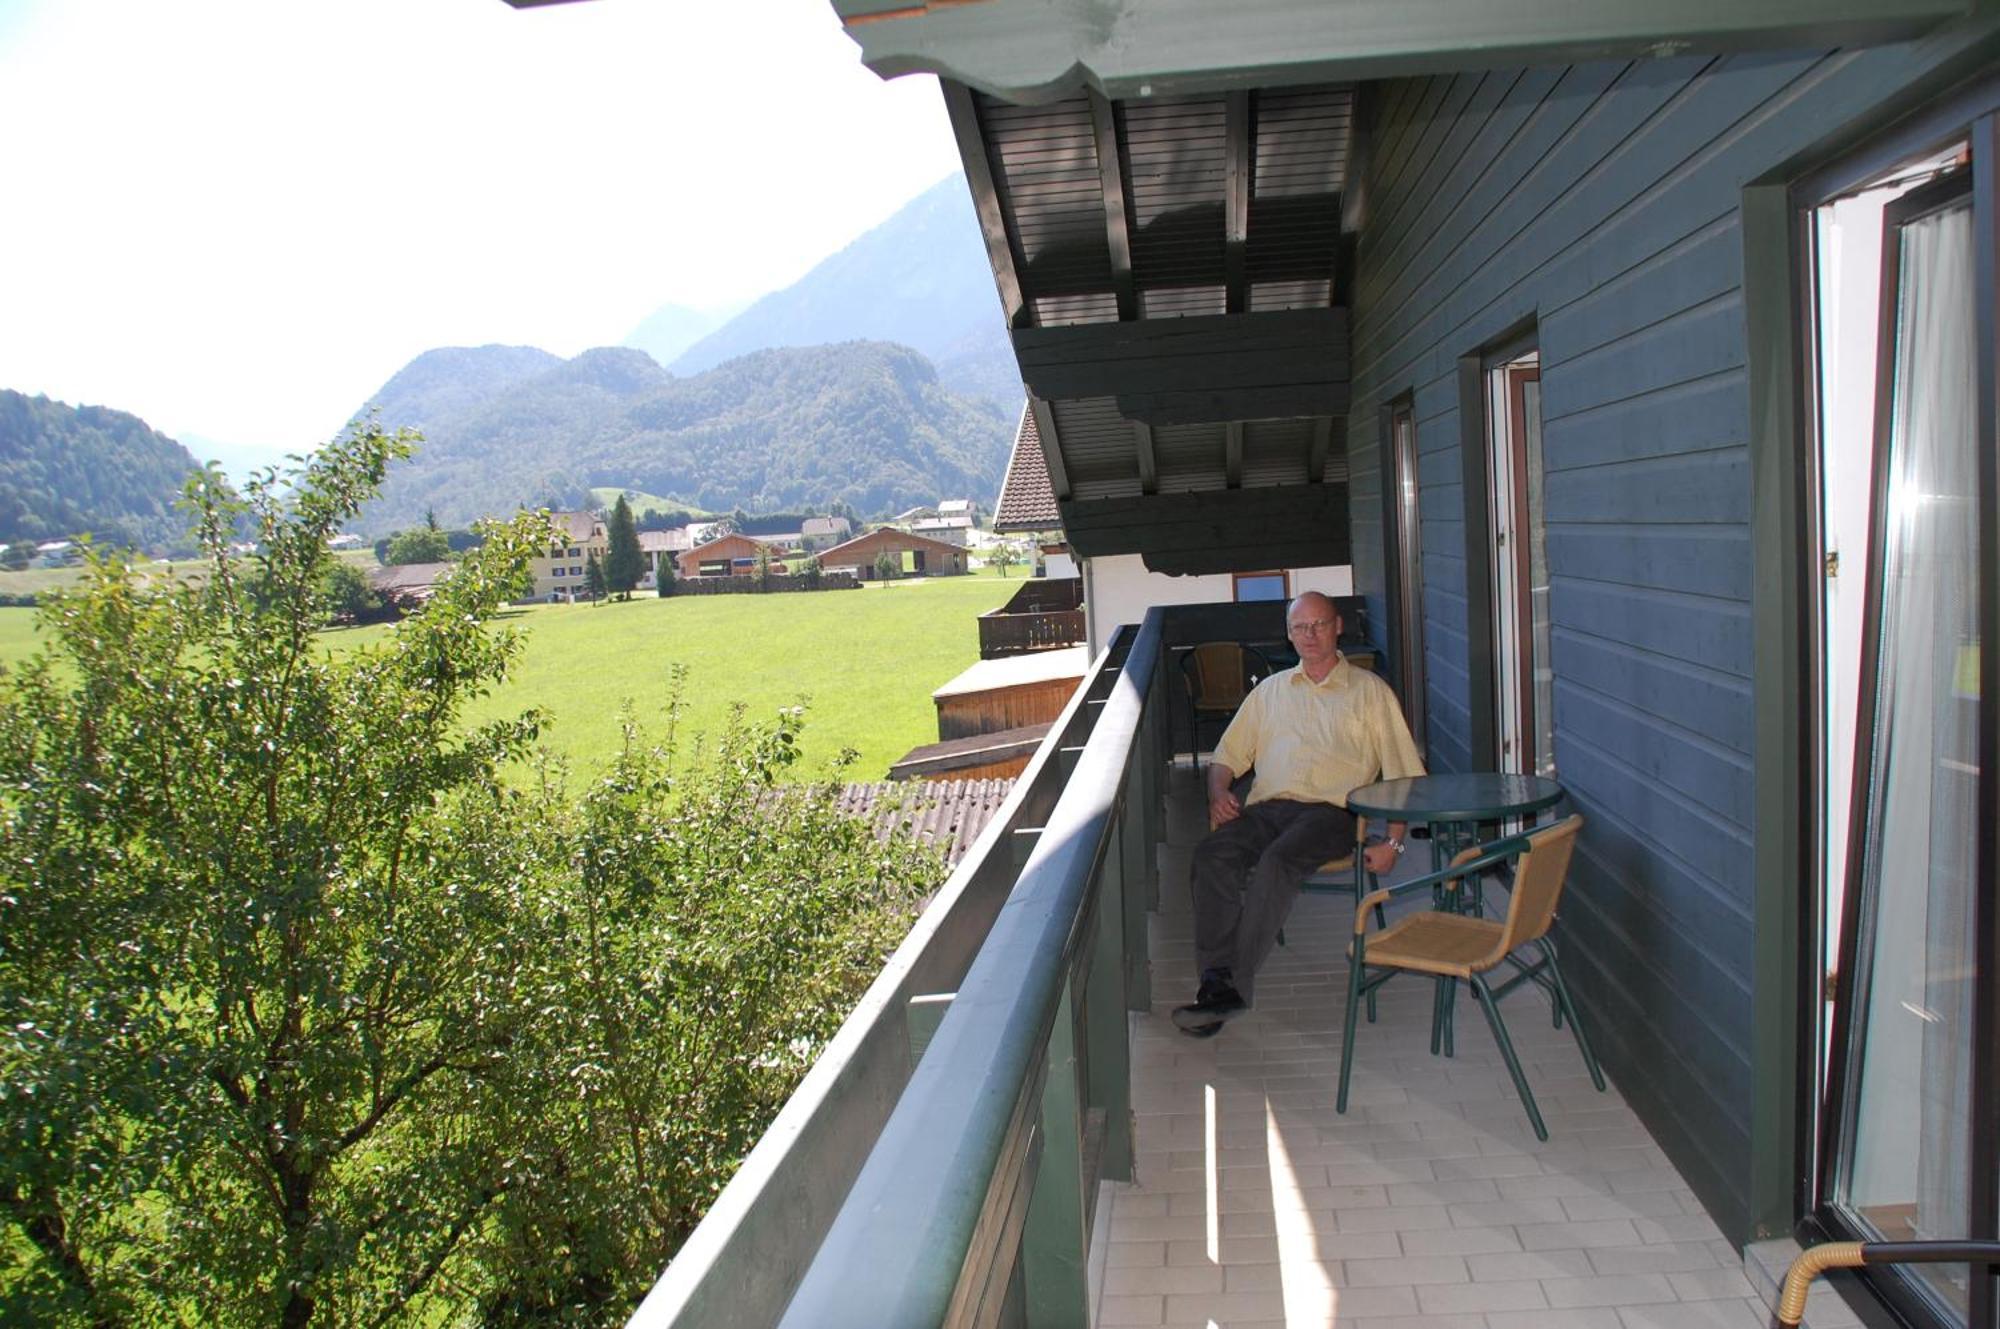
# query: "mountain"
[866,423]
[671,329]
[920,278]
[65,470]
[440,384]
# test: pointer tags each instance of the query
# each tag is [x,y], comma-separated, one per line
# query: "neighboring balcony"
[1043,615]
[1008,1129]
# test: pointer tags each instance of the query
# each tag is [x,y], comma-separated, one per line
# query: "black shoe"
[1209,1030]
[1214,1004]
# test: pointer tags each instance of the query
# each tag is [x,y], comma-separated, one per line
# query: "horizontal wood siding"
[1601,203]
[964,714]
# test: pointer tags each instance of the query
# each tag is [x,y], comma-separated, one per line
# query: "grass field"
[866,661]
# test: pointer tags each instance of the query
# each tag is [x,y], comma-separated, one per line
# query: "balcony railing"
[1042,615]
[940,1162]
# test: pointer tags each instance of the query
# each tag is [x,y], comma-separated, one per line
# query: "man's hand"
[1380,858]
[1223,804]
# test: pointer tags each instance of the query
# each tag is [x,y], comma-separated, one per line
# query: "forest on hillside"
[67,470]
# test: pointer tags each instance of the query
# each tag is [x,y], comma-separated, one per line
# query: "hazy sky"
[238,218]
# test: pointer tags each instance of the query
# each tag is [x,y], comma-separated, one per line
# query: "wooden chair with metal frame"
[1219,676]
[1451,948]
[1344,875]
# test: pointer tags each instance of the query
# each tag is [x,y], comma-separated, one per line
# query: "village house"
[916,555]
[561,574]
[724,556]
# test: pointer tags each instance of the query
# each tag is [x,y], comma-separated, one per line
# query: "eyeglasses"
[1313,625]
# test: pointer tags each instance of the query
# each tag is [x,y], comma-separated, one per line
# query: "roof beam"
[1217,530]
[1316,459]
[979,177]
[1232,454]
[1117,218]
[1045,427]
[1279,364]
[1149,464]
[1236,199]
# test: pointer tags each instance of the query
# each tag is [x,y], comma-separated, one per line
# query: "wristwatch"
[1396,844]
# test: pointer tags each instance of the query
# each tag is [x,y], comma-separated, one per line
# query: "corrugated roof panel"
[1055,311]
[1044,161]
[1099,448]
[1183,301]
[1276,452]
[1315,293]
[1175,164]
[1189,457]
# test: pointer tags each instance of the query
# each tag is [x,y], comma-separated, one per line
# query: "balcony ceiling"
[1045,50]
[1170,272]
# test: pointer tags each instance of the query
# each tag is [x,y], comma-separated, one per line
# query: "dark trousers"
[1247,873]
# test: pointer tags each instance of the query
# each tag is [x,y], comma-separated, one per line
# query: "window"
[557,572]
[576,553]
[1262,586]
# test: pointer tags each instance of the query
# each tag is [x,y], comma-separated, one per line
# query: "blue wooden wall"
[1603,203]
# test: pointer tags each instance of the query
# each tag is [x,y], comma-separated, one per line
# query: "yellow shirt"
[1318,742]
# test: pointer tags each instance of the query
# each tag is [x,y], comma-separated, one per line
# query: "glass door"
[1524,701]
[1897,1158]
[1406,540]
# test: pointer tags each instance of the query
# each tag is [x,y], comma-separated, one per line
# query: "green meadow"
[864,662]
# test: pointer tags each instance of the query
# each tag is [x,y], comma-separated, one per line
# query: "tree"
[17,555]
[307,1016]
[888,565]
[593,576]
[1003,556]
[426,544]
[760,569]
[624,563]
[253,996]
[663,581]
[349,597]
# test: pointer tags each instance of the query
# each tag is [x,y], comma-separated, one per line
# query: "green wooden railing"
[940,1162]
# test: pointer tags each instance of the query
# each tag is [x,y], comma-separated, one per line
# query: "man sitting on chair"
[1313,734]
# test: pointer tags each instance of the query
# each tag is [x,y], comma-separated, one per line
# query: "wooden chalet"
[723,556]
[926,557]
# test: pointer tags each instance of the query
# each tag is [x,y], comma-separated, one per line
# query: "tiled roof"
[948,814]
[408,578]
[1027,500]
[579,526]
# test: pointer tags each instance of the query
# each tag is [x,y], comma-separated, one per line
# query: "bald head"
[1313,602]
[1313,624]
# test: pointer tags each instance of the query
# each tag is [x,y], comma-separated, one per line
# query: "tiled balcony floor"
[1430,1202]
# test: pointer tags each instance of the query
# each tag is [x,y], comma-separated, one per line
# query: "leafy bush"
[304,1017]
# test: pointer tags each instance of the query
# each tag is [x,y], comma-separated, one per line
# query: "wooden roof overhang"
[1032,51]
[1170,271]
[1163,191]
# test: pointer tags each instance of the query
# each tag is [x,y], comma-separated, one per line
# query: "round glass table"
[1438,800]
[1453,807]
